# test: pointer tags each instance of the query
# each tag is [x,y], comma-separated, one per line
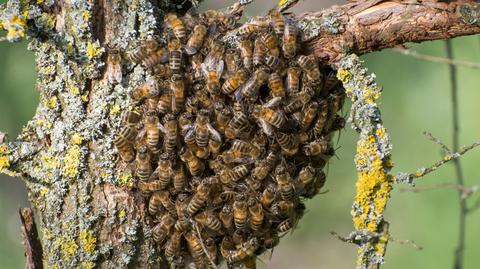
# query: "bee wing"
[162,128]
[239,94]
[219,67]
[266,128]
[273,102]
[204,69]
[214,133]
[188,129]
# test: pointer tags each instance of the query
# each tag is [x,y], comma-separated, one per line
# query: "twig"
[475,206]
[467,191]
[33,247]
[204,248]
[402,177]
[437,59]
[406,242]
[437,141]
[458,169]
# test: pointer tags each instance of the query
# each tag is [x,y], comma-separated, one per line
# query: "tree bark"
[88,212]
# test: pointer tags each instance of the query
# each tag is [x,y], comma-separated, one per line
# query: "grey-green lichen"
[372,160]
[470,13]
[314,25]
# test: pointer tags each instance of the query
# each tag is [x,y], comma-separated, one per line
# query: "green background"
[416,98]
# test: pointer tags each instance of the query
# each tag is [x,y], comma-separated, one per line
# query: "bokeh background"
[416,98]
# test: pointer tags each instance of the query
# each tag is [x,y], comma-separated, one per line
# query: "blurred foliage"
[416,98]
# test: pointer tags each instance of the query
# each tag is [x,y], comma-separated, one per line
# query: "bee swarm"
[226,142]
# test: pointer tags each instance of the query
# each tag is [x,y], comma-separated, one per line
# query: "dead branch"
[466,191]
[33,247]
[436,59]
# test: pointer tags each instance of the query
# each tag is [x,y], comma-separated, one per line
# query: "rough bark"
[88,213]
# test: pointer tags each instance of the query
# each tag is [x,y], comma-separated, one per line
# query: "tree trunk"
[86,208]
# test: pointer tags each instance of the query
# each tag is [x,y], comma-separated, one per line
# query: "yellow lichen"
[68,246]
[88,265]
[76,139]
[43,191]
[344,75]
[3,148]
[47,234]
[15,27]
[49,162]
[122,214]
[86,15]
[126,180]
[72,87]
[85,97]
[282,2]
[52,102]
[114,109]
[4,163]
[71,162]
[88,241]
[93,50]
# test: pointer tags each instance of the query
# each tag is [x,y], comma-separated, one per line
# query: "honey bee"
[247,250]
[196,251]
[276,85]
[226,246]
[232,61]
[153,133]
[159,56]
[270,240]
[170,131]
[173,245]
[155,206]
[177,86]
[268,117]
[271,43]
[285,225]
[234,81]
[114,66]
[165,102]
[195,166]
[162,70]
[211,247]
[246,51]
[316,147]
[250,89]
[239,236]
[175,59]
[196,39]
[222,116]
[335,101]
[234,174]
[256,214]
[199,198]
[164,171]
[212,69]
[321,119]
[149,89]
[201,129]
[309,114]
[331,82]
[293,80]
[310,67]
[209,220]
[306,176]
[290,35]
[277,21]
[226,217]
[142,51]
[259,52]
[240,212]
[204,99]
[149,187]
[282,208]
[162,229]
[313,188]
[179,179]
[246,148]
[264,167]
[214,146]
[237,125]
[126,135]
[285,183]
[337,124]
[165,199]
[268,195]
[177,26]
[249,28]
[288,143]
[196,62]
[225,21]
[181,204]
[144,169]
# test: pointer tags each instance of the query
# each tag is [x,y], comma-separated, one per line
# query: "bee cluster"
[226,142]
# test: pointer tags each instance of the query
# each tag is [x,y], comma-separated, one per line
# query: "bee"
[276,85]
[176,25]
[162,229]
[271,44]
[277,21]
[164,104]
[173,245]
[159,56]
[293,80]
[179,179]
[201,129]
[212,69]
[234,174]
[149,89]
[282,208]
[306,176]
[299,100]
[196,63]
[170,132]
[209,220]
[331,82]
[267,117]
[211,247]
[251,88]
[321,118]
[310,67]
[288,143]
[223,115]
[264,167]
[114,67]
[196,39]
[335,101]
[259,52]
[309,114]
[126,135]
[153,133]
[177,87]
[196,251]
[232,61]
[226,246]
[284,183]
[285,225]
[234,81]
[214,146]
[175,60]
[249,28]
[226,21]
[142,51]
[165,199]
[270,240]
[149,187]
[312,189]
[199,198]
[226,216]
[144,169]
[268,195]
[240,212]
[183,223]
[239,236]
[247,250]
[256,214]
[155,206]
[246,148]
[316,147]
[203,98]
[195,166]
[289,46]
[164,171]
[237,125]
[246,51]
[337,124]
[162,70]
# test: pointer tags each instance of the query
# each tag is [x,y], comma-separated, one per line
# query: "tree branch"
[33,247]
[361,29]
